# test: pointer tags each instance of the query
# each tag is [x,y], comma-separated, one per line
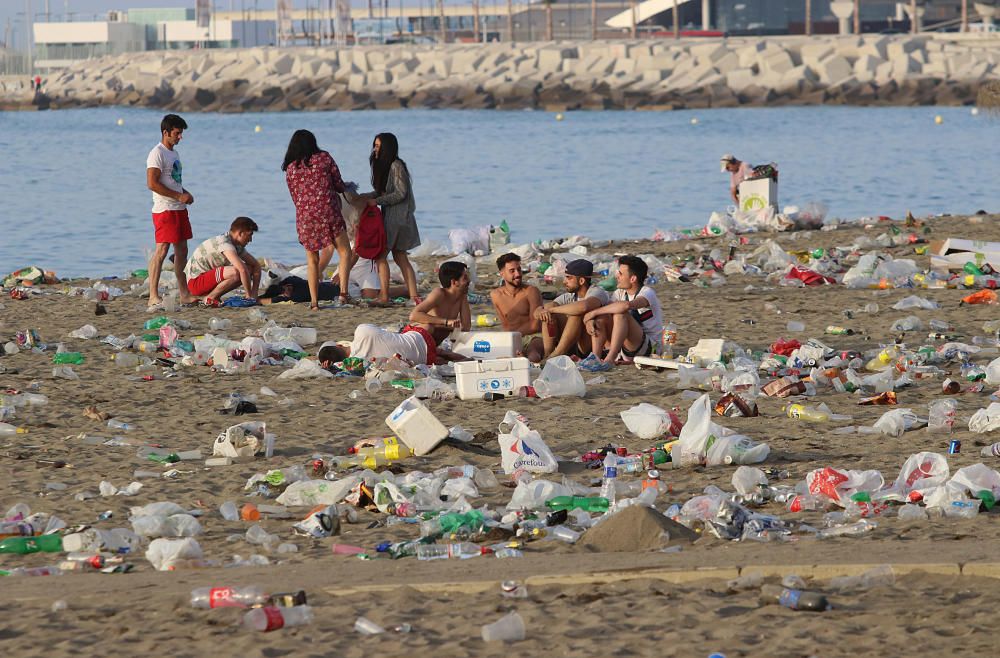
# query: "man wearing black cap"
[562,318]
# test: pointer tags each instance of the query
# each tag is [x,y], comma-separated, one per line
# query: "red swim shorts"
[172,226]
[205,282]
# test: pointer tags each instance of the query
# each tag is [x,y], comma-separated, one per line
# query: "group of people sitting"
[584,322]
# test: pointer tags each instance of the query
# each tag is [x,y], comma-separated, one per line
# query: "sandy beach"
[649,601]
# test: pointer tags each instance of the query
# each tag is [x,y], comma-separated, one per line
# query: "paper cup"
[509,628]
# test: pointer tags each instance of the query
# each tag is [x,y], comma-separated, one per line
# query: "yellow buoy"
[120,122]
[559,116]
[257,129]
[938,120]
[694,121]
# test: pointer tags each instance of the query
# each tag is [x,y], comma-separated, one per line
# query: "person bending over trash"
[431,321]
[222,263]
[516,303]
[562,318]
[630,325]
[739,171]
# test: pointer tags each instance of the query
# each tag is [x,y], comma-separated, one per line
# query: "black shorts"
[645,349]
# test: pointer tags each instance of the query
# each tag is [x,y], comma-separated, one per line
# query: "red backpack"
[369,241]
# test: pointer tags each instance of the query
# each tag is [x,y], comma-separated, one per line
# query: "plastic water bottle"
[6,429]
[585,503]
[991,450]
[25,545]
[271,619]
[610,478]
[463,550]
[227,597]
[802,412]
[219,324]
[116,424]
[486,320]
[795,599]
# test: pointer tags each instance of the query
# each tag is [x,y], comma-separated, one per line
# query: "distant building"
[59,44]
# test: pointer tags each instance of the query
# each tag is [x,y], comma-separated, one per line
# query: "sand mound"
[635,529]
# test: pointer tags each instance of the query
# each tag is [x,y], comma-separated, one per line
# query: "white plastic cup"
[795,326]
[509,628]
[229,511]
[366,626]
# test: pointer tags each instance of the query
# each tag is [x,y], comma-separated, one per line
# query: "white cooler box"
[416,426]
[476,378]
[486,344]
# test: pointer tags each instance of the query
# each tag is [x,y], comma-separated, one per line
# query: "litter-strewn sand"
[146,612]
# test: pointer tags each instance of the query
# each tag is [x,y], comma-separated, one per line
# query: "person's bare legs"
[535,351]
[625,331]
[599,331]
[230,281]
[312,277]
[180,262]
[155,267]
[553,326]
[325,256]
[382,265]
[569,336]
[409,275]
[344,268]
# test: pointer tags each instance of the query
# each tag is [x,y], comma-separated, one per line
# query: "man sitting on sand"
[631,324]
[433,320]
[222,263]
[516,303]
[563,331]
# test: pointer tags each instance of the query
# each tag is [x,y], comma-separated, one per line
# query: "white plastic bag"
[923,470]
[532,494]
[747,479]
[986,420]
[560,378]
[699,436]
[165,554]
[470,240]
[304,369]
[913,301]
[993,372]
[87,332]
[243,440]
[317,492]
[522,448]
[646,421]
[897,421]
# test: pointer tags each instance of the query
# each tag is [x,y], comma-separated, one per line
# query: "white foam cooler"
[416,426]
[758,193]
[486,344]
[476,378]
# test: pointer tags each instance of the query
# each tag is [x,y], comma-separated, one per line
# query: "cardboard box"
[954,253]
[486,344]
[758,193]
[476,378]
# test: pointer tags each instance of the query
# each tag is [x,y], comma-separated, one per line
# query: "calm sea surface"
[72,183]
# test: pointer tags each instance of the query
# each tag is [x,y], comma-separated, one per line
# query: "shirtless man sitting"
[516,303]
[431,322]
[563,332]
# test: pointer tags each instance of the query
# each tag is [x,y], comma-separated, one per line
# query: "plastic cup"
[509,628]
[366,626]
[229,511]
[249,512]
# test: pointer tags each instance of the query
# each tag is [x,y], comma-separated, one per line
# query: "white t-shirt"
[373,342]
[651,318]
[169,164]
[211,254]
[594,292]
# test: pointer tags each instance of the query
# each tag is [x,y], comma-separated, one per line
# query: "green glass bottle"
[587,504]
[156,323]
[25,545]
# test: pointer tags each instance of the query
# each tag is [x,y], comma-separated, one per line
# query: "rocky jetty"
[651,74]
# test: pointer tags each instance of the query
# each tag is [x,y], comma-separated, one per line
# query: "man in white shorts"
[431,322]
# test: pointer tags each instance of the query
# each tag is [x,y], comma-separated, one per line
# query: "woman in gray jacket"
[394,193]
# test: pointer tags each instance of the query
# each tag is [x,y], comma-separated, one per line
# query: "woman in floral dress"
[313,181]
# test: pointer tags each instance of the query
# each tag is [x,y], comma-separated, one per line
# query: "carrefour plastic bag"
[522,448]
